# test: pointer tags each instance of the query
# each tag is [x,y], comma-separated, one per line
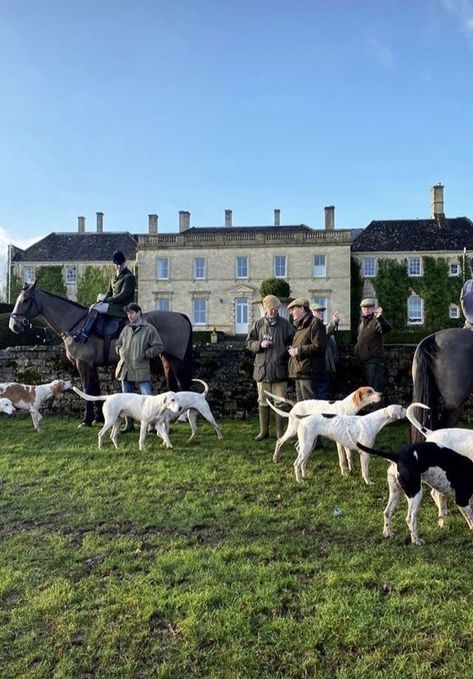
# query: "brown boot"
[263,413]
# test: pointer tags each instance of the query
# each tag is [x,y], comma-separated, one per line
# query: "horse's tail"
[425,388]
[413,419]
[89,397]
[186,369]
[206,386]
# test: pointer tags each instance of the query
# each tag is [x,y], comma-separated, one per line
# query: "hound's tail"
[413,419]
[206,386]
[277,410]
[387,454]
[279,398]
[89,397]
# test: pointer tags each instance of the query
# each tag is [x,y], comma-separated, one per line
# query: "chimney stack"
[228,219]
[81,224]
[329,218]
[184,220]
[152,225]
[277,217]
[437,201]
[99,222]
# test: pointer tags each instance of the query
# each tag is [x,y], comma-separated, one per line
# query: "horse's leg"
[91,385]
[178,373]
[171,380]
[450,417]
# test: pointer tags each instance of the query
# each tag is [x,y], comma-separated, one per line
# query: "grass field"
[211,561]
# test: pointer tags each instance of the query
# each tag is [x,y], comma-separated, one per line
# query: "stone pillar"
[152,225]
[329,218]
[81,224]
[277,217]
[99,222]
[228,219]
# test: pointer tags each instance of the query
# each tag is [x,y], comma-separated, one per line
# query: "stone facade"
[221,288]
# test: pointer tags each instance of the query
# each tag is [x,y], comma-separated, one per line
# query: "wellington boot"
[263,413]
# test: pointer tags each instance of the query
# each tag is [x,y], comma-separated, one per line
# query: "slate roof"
[78,247]
[416,235]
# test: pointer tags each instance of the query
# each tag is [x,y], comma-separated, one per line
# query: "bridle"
[24,318]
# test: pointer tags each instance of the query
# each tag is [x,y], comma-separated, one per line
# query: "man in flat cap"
[369,347]
[121,292]
[269,339]
[331,352]
[307,353]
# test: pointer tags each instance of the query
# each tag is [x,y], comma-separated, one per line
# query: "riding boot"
[84,334]
[280,425]
[263,413]
[129,425]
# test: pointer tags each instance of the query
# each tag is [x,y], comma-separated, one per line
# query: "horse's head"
[25,309]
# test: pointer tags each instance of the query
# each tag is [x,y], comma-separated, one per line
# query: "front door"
[241,315]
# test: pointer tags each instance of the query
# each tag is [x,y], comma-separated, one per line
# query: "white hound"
[444,470]
[192,404]
[349,405]
[345,429]
[31,397]
[146,409]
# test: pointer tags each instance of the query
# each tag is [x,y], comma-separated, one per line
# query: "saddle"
[108,326]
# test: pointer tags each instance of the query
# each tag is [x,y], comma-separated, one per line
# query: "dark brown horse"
[65,317]
[442,376]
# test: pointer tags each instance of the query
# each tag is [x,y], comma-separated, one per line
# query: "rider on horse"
[121,292]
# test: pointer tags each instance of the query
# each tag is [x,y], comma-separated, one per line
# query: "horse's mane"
[63,299]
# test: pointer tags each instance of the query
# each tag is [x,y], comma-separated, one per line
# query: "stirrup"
[80,337]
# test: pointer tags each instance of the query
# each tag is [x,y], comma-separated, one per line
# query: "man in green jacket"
[121,292]
[138,342]
[268,340]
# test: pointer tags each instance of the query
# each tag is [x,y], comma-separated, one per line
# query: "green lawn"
[210,561]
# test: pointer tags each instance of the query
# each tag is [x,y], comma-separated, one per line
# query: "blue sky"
[132,107]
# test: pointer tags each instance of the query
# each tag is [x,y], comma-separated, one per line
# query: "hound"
[460,440]
[347,406]
[6,406]
[147,409]
[29,397]
[191,405]
[345,429]
[444,470]
[456,438]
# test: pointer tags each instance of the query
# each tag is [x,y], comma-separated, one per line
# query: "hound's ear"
[357,397]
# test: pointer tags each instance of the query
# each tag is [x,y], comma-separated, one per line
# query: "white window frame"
[199,311]
[164,262]
[453,269]
[163,304]
[454,311]
[199,268]
[320,268]
[369,267]
[28,274]
[415,316]
[70,274]
[279,263]
[242,267]
[414,267]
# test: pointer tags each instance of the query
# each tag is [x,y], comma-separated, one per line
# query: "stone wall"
[226,367]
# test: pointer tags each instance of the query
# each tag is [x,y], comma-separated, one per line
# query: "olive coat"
[311,340]
[271,363]
[121,292]
[135,348]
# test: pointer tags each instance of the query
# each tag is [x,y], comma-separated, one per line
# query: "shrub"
[275,286]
